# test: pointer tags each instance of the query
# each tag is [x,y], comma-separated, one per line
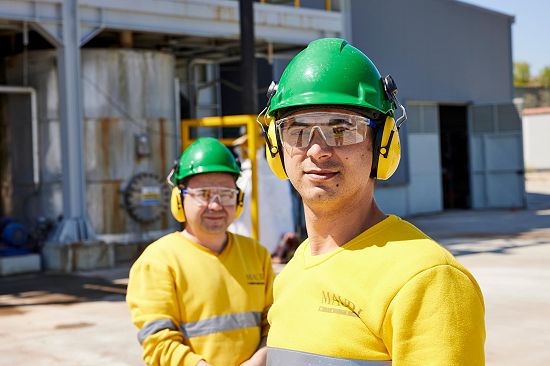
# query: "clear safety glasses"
[204,196]
[337,129]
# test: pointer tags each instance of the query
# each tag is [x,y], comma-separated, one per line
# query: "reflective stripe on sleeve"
[154,327]
[286,357]
[221,323]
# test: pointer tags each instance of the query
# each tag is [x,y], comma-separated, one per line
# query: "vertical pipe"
[270,53]
[25,53]
[177,118]
[252,131]
[34,126]
[75,226]
[345,11]
[248,63]
[126,39]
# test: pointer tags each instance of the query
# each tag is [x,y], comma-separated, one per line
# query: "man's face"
[325,174]
[207,206]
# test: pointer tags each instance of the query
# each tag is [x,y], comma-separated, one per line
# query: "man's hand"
[259,358]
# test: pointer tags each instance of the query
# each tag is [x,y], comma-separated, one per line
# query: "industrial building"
[92,93]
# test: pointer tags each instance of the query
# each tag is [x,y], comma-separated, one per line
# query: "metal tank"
[129,139]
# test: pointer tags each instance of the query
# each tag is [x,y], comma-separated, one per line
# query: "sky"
[530,31]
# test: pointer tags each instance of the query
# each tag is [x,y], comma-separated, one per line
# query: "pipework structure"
[194,32]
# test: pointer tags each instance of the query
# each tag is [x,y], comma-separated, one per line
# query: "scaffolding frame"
[253,143]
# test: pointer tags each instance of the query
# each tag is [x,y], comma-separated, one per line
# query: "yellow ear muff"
[240,204]
[176,206]
[275,162]
[388,147]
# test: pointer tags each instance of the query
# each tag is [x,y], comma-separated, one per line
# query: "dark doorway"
[231,90]
[455,168]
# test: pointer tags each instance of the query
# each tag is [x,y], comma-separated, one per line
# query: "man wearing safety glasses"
[364,288]
[201,296]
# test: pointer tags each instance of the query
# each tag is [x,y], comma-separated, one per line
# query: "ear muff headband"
[386,150]
[176,204]
[273,153]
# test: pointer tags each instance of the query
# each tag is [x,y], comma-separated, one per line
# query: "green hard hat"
[206,155]
[330,72]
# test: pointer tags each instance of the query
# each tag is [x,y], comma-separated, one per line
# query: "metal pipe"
[253,133]
[249,96]
[34,125]
[25,53]
[177,116]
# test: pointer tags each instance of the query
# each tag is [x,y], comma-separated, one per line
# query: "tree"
[545,77]
[522,74]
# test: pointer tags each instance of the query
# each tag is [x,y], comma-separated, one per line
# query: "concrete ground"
[508,252]
[82,319]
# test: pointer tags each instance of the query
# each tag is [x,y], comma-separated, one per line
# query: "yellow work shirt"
[390,296]
[191,303]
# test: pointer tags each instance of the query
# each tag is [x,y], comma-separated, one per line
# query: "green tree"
[545,77]
[522,73]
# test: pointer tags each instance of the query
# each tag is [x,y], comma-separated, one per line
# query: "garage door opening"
[455,168]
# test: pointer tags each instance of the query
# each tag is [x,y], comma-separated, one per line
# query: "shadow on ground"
[495,246]
[50,288]
[509,223]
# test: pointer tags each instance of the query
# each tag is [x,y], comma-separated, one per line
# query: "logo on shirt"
[334,303]
[255,278]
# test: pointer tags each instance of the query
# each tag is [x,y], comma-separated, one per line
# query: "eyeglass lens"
[336,129]
[225,196]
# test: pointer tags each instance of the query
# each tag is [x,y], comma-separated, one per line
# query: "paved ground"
[81,319]
[509,254]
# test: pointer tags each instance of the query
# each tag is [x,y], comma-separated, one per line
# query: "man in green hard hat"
[365,288]
[201,296]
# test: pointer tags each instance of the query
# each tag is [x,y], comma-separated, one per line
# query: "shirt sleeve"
[151,296]
[436,318]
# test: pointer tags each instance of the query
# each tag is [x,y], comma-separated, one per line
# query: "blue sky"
[530,31]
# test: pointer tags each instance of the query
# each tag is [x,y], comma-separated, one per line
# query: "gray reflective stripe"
[221,323]
[154,327]
[286,357]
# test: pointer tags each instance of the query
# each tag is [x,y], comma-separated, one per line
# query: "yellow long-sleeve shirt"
[191,303]
[389,296]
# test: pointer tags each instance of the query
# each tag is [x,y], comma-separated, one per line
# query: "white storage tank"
[129,139]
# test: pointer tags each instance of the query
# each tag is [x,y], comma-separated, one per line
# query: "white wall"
[425,189]
[536,141]
[392,199]
[496,156]
[274,201]
[424,192]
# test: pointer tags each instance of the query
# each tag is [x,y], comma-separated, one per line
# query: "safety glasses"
[337,129]
[204,196]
